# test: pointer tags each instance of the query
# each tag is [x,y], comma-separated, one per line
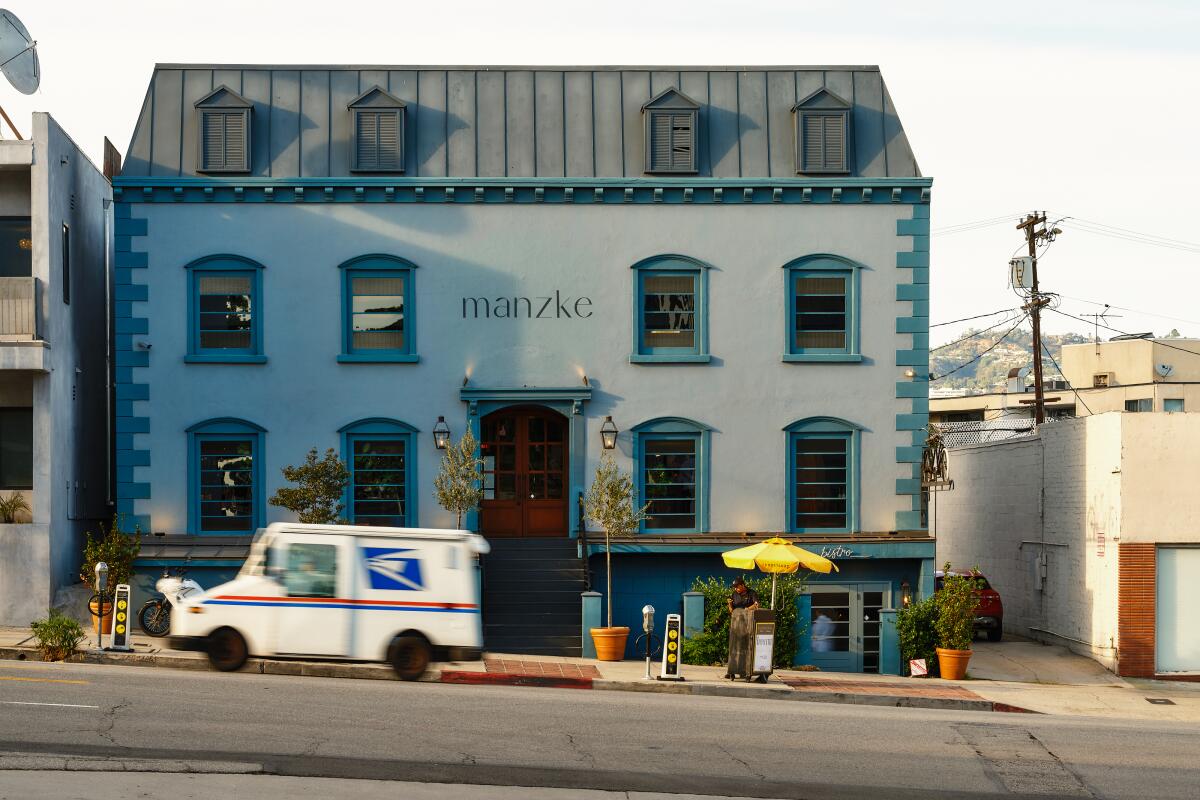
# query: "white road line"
[56,705]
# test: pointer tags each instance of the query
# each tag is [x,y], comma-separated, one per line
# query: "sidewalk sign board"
[764,646]
[121,618]
[672,649]
[917,668]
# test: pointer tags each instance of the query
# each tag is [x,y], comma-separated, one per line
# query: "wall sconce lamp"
[608,434]
[906,596]
[441,434]
[910,373]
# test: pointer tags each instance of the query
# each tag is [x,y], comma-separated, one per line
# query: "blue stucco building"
[732,264]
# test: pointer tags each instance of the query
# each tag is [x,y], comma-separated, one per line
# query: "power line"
[1135,233]
[978,224]
[1159,342]
[974,335]
[979,316]
[1064,376]
[995,344]
[1170,244]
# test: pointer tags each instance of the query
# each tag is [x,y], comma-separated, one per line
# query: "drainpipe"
[108,360]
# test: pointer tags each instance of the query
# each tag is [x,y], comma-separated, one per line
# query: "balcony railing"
[18,309]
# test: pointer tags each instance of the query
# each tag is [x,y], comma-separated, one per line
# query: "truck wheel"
[410,656]
[995,634]
[227,650]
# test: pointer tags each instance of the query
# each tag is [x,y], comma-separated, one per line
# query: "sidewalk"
[1092,691]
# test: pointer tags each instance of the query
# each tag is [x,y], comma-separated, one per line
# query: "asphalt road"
[86,717]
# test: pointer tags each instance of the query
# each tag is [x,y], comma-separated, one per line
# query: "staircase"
[531,602]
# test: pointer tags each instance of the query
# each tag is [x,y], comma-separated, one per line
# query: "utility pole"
[1034,307]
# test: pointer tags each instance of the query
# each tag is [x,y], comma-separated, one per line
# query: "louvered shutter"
[223,141]
[835,143]
[213,147]
[235,140]
[682,138]
[660,142]
[367,140]
[389,140]
[824,143]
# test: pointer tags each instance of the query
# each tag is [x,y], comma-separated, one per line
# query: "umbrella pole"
[774,577]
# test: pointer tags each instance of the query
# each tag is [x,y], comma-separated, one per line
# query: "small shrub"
[956,602]
[710,646]
[916,629]
[114,547]
[12,507]
[57,636]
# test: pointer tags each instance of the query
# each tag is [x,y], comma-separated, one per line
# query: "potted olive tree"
[117,549]
[459,484]
[611,503]
[955,623]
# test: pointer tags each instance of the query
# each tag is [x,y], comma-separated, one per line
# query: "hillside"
[990,371]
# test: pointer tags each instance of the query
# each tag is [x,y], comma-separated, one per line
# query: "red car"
[989,614]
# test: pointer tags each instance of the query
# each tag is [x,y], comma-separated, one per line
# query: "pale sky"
[1087,109]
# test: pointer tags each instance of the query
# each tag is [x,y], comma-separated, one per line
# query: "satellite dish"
[18,54]
[1164,370]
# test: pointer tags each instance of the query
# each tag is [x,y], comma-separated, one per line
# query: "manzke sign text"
[556,306]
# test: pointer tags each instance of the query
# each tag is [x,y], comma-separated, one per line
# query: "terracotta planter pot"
[610,643]
[98,619]
[953,663]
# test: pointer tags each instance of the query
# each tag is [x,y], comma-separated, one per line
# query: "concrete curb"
[361,671]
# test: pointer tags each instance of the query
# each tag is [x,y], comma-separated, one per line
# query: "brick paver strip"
[555,669]
[882,687]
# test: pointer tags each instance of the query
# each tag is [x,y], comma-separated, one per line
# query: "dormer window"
[822,134]
[378,132]
[224,119]
[671,132]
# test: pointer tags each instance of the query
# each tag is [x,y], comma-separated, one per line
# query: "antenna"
[1097,318]
[18,59]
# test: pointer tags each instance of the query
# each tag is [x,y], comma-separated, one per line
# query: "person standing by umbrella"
[742,596]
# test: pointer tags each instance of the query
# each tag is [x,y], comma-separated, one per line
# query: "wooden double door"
[525,486]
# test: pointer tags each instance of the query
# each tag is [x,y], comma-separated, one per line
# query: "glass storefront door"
[844,625]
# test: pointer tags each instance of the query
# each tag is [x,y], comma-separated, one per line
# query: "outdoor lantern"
[905,594]
[608,433]
[441,434]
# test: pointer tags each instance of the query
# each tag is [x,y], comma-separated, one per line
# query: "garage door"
[1177,636]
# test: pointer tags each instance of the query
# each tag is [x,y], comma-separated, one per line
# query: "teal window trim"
[382,429]
[824,265]
[824,428]
[667,266]
[220,266]
[675,428]
[225,429]
[379,266]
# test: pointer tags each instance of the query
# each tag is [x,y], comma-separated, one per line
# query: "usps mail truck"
[404,596]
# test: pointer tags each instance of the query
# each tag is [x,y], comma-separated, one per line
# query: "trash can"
[751,644]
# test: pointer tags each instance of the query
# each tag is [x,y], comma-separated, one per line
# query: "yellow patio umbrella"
[776,556]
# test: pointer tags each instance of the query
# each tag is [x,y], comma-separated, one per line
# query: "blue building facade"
[731,264]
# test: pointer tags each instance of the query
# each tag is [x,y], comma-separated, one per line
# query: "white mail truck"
[404,596]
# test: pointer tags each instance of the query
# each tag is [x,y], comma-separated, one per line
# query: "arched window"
[377,310]
[822,477]
[671,474]
[670,312]
[822,305]
[225,310]
[381,456]
[225,477]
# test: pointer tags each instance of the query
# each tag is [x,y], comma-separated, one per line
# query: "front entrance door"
[845,626]
[524,454]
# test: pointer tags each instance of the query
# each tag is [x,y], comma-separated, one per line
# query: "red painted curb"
[509,679]
[1012,709]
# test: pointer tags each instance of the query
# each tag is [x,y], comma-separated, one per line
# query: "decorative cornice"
[576,191]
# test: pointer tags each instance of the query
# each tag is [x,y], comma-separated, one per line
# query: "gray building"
[732,264]
[54,212]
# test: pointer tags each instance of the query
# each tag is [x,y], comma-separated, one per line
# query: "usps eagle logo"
[393,570]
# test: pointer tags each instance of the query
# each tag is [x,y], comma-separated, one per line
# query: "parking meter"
[648,628]
[101,585]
